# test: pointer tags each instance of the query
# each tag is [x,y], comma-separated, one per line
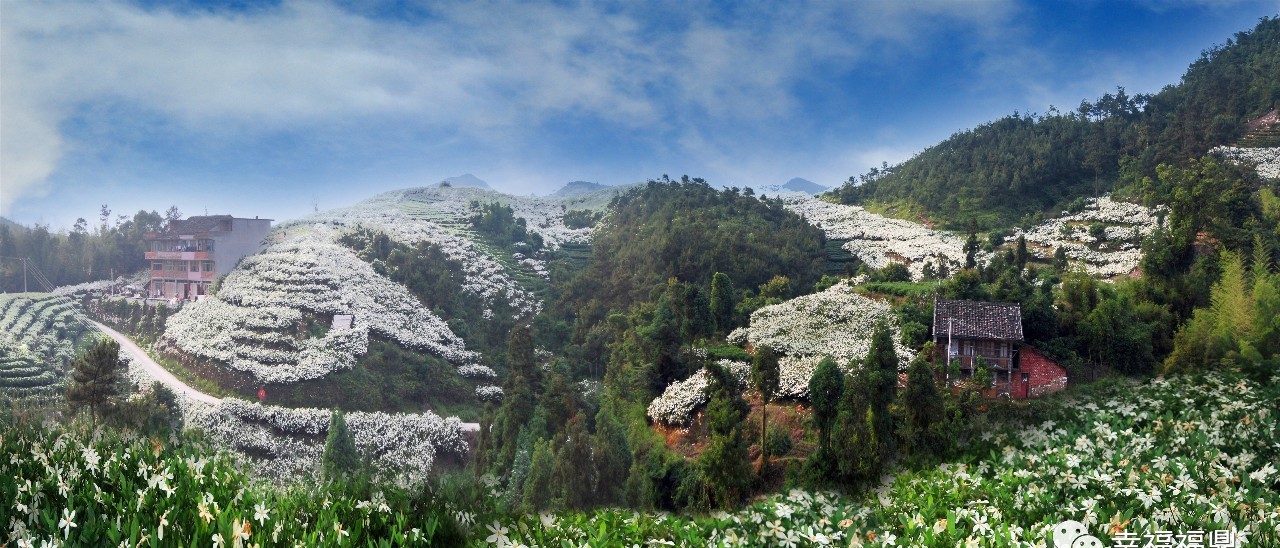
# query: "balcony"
[182,275]
[179,255]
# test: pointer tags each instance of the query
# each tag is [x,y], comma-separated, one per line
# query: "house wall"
[245,238]
[1044,375]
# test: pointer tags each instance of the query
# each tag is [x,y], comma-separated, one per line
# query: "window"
[194,266]
[157,266]
[208,266]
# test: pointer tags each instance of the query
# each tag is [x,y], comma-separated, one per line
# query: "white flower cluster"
[1265,160]
[489,393]
[543,214]
[288,443]
[1126,225]
[678,402]
[306,273]
[483,276]
[878,240]
[138,279]
[477,371]
[837,322]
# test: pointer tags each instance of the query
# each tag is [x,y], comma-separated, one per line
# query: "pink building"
[187,256]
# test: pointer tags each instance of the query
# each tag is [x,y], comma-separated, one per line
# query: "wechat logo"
[1072,534]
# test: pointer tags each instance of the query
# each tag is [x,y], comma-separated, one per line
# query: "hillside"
[466,180]
[574,188]
[1049,160]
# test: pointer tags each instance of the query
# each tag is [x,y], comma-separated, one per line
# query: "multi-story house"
[187,256]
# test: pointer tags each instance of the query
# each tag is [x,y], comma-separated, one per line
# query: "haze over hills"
[467,180]
[574,188]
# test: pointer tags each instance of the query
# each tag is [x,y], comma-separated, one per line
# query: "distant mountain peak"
[804,185]
[467,180]
[573,188]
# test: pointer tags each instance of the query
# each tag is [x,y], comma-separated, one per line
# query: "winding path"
[154,369]
[161,374]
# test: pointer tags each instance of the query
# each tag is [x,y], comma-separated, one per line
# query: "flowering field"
[1124,458]
[61,487]
[836,322]
[286,444]
[45,325]
[249,324]
[878,240]
[1115,254]
[1265,160]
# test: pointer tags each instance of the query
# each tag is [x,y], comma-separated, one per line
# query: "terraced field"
[40,333]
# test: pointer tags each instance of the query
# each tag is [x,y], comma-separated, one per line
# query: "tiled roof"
[977,320]
[206,223]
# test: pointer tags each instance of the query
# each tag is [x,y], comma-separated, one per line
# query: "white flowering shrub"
[677,404]
[287,443]
[1126,225]
[489,393]
[1265,160]
[476,371]
[878,240]
[245,325]
[50,328]
[836,322]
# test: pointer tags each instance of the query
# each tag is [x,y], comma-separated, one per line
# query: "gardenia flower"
[67,522]
[260,512]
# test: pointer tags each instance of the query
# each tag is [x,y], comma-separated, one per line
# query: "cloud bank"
[496,70]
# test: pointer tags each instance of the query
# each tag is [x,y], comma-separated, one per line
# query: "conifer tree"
[723,463]
[573,469]
[93,378]
[537,488]
[340,457]
[722,302]
[881,366]
[825,388]
[611,454]
[764,375]
[922,404]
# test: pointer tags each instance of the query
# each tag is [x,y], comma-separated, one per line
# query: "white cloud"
[493,70]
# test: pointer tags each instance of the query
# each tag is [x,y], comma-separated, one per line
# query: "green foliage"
[726,474]
[538,487]
[114,247]
[855,448]
[1049,160]
[573,472]
[436,280]
[499,223]
[723,301]
[93,378]
[922,407]
[778,442]
[1238,328]
[765,377]
[689,231]
[881,369]
[582,218]
[340,459]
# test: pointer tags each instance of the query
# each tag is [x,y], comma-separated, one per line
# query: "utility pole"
[24,274]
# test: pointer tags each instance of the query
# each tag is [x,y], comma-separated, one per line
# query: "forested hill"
[1111,144]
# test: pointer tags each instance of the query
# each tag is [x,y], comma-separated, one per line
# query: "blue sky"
[266,108]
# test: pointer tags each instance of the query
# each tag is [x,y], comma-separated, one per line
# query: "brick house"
[191,252]
[966,333]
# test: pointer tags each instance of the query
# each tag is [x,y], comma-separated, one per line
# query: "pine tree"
[723,463]
[93,378]
[854,444]
[881,366]
[971,250]
[537,488]
[764,375]
[611,454]
[722,302]
[340,458]
[573,467]
[922,404]
[825,388]
[1021,255]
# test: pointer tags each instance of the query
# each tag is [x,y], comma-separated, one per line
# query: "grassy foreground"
[1125,458]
